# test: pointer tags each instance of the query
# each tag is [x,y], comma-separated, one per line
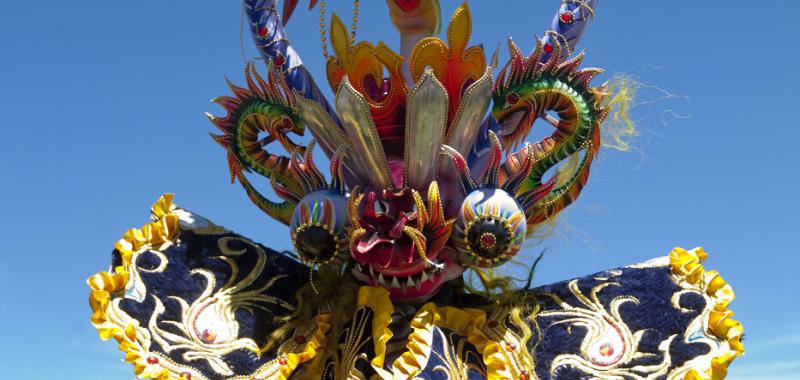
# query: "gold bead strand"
[323,39]
[356,3]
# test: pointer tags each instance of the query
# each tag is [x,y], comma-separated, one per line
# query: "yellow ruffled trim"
[294,360]
[102,286]
[377,299]
[163,229]
[465,322]
[687,266]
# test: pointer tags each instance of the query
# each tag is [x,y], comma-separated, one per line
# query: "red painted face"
[400,244]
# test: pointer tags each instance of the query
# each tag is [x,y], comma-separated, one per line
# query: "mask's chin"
[411,287]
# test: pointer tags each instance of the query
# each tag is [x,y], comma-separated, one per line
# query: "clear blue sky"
[103,102]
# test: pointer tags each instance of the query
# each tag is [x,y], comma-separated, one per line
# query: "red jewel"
[300,339]
[548,48]
[279,60]
[523,375]
[607,349]
[208,336]
[567,17]
[263,32]
[511,347]
[287,123]
[512,98]
[152,360]
[282,360]
[488,240]
[186,375]
[492,324]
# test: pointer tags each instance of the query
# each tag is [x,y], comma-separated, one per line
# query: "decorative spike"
[273,91]
[337,172]
[419,241]
[230,104]
[422,212]
[328,215]
[522,172]
[234,167]
[501,83]
[568,68]
[283,192]
[495,57]
[311,167]
[536,57]
[262,84]
[352,210]
[241,93]
[251,85]
[584,76]
[286,94]
[222,123]
[298,172]
[223,140]
[462,169]
[304,214]
[530,69]
[517,62]
[596,140]
[490,179]
[435,209]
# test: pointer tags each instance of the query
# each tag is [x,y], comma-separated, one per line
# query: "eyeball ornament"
[318,228]
[490,228]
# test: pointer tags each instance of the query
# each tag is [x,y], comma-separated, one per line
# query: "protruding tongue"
[375,239]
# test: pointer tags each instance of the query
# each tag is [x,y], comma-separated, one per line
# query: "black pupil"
[315,243]
[488,238]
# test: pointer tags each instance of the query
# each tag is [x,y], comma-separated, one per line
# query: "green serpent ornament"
[259,115]
[527,89]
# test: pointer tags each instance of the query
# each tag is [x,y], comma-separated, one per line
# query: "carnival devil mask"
[420,188]
[421,185]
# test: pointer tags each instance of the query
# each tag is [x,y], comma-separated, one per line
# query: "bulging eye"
[490,228]
[318,227]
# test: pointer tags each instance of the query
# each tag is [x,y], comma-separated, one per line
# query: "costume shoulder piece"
[421,188]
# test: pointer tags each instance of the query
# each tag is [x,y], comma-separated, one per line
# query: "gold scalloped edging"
[687,266]
[162,230]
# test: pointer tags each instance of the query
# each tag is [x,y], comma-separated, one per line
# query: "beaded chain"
[356,3]
[323,39]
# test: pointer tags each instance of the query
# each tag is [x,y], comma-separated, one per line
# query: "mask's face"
[398,243]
